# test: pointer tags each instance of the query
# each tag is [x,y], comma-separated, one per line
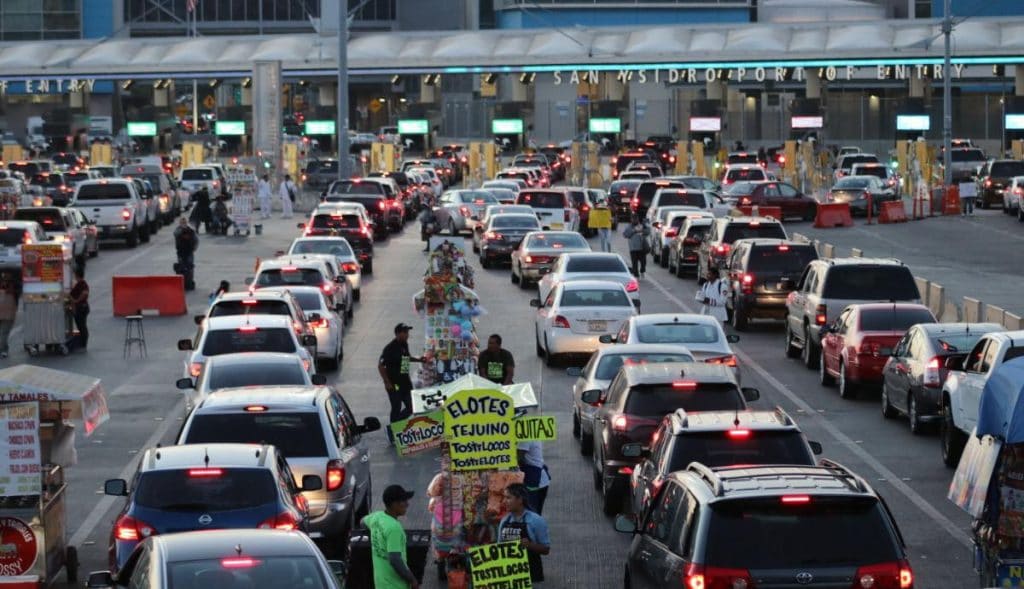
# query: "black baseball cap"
[402,327]
[395,493]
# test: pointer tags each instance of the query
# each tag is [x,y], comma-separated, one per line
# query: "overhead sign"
[1014,122]
[229,128]
[504,565]
[605,125]
[142,129]
[478,427]
[541,428]
[320,127]
[20,458]
[413,126]
[507,126]
[418,433]
[913,122]
[706,124]
[805,122]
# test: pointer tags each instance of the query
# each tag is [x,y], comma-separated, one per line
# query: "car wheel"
[451,228]
[484,263]
[888,411]
[512,277]
[144,234]
[846,388]
[916,425]
[791,350]
[133,238]
[575,426]
[663,258]
[824,377]
[810,351]
[1020,215]
[549,358]
[524,284]
[596,471]
[368,267]
[739,319]
[951,439]
[536,339]
[356,294]
[671,266]
[613,495]
[586,444]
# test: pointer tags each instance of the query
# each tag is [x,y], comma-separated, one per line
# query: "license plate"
[597,325]
[557,225]
[625,199]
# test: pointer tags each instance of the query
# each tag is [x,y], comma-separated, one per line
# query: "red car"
[791,201]
[856,346]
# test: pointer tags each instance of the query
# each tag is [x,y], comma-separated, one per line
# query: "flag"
[190,5]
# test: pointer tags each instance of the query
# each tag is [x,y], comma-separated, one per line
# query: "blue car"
[206,487]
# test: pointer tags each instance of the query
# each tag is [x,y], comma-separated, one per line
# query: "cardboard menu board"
[42,262]
[503,565]
[20,457]
[418,433]
[478,428]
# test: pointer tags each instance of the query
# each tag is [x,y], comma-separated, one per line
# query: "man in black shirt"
[496,364]
[394,371]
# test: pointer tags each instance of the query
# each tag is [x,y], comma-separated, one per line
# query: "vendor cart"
[36,409]
[46,281]
[243,182]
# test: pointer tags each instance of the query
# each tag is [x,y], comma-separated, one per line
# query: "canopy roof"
[62,395]
[1001,411]
[997,40]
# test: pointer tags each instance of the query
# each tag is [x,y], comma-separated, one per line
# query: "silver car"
[13,234]
[340,248]
[245,370]
[492,210]
[539,250]
[589,266]
[701,334]
[461,210]
[600,371]
[326,323]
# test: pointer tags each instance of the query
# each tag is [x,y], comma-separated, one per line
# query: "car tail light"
[323,322]
[933,373]
[887,575]
[493,235]
[684,384]
[205,472]
[738,434]
[567,216]
[464,210]
[634,203]
[126,214]
[620,423]
[350,267]
[691,241]
[195,368]
[561,321]
[672,232]
[256,408]
[697,576]
[381,205]
[747,283]
[248,328]
[783,248]
[327,287]
[722,249]
[216,184]
[335,475]
[239,563]
[132,530]
[281,521]
[729,360]
[632,285]
[821,315]
[988,182]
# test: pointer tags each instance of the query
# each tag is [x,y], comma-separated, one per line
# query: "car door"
[972,386]
[894,375]
[769,195]
[792,202]
[796,301]
[833,341]
[656,553]
[546,312]
[351,446]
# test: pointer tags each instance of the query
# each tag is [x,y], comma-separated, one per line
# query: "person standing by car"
[287,195]
[393,367]
[968,194]
[78,300]
[186,242]
[202,213]
[428,226]
[496,363]
[527,527]
[8,310]
[264,193]
[537,477]
[638,233]
[388,543]
[712,296]
[601,219]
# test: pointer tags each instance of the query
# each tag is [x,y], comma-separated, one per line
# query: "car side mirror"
[309,340]
[750,394]
[370,424]
[625,523]
[816,448]
[574,371]
[116,487]
[535,303]
[185,345]
[184,384]
[198,319]
[591,397]
[100,580]
[606,339]
[318,379]
[634,450]
[312,482]
[732,338]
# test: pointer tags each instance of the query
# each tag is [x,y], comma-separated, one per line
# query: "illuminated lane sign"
[229,128]
[142,129]
[913,122]
[507,126]
[320,127]
[413,126]
[605,126]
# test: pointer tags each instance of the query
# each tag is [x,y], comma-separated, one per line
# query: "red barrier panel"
[833,215]
[759,211]
[893,212]
[162,295]
[951,200]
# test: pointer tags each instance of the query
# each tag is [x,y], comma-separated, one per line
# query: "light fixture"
[303,83]
[382,100]
[431,79]
[127,84]
[527,78]
[490,78]
[402,99]
[247,83]
[214,83]
[395,79]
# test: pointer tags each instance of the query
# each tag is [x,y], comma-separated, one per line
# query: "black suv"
[715,248]
[995,178]
[716,438]
[635,402]
[765,526]
[645,194]
[762,273]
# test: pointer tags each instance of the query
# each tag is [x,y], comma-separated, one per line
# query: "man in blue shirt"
[525,526]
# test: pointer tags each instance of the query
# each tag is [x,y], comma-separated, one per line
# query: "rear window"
[253,307]
[303,276]
[967,155]
[594,298]
[623,187]
[876,171]
[826,532]
[681,198]
[153,179]
[370,203]
[1007,169]
[265,374]
[336,222]
[677,333]
[349,187]
[1012,353]
[849,160]
[742,158]
[197,174]
[296,435]
[951,343]
[773,259]
[334,248]
[76,177]
[611,363]
[645,192]
[718,448]
[848,183]
[233,341]
[735,231]
[308,301]
[103,192]
[330,167]
[50,220]
[515,223]
[542,200]
[658,400]
[29,169]
[47,180]
[602,264]
[555,241]
[868,283]
[628,158]
[698,231]
[264,573]
[741,187]
[233,488]
[735,175]
[10,237]
[893,319]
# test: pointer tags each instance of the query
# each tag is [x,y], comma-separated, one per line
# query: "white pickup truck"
[115,207]
[961,392]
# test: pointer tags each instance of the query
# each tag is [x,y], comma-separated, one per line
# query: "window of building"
[29,20]
[922,8]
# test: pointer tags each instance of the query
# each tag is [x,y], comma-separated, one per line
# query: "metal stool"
[134,336]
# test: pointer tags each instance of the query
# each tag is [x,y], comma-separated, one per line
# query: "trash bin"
[360,571]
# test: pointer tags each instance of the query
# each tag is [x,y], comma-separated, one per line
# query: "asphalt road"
[146,407]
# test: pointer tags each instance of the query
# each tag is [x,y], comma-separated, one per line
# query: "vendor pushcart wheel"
[71,564]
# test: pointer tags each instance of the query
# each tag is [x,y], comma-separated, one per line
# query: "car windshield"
[967,155]
[1007,169]
[735,231]
[658,400]
[610,363]
[297,435]
[249,307]
[893,318]
[543,200]
[50,219]
[869,283]
[102,191]
[352,187]
[677,333]
[336,221]
[594,298]
[322,246]
[11,237]
[681,198]
[197,174]
[308,300]
[745,174]
[229,489]
[290,277]
[951,343]
[791,260]
[601,264]
[823,533]
[273,572]
[246,339]
[718,448]
[556,241]
[529,223]
[262,374]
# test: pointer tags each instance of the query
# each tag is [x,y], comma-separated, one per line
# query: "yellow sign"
[541,428]
[478,427]
[375,106]
[13,153]
[600,218]
[209,102]
[504,565]
[100,154]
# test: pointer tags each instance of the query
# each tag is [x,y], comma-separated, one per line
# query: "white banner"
[20,458]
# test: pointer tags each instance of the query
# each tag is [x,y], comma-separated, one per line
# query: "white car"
[574,316]
[538,252]
[234,334]
[304,270]
[341,298]
[435,181]
[507,184]
[340,249]
[702,335]
[743,173]
[246,370]
[327,325]
[1011,196]
[589,266]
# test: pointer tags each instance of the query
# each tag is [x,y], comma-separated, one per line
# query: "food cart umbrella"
[67,395]
[431,398]
[1001,412]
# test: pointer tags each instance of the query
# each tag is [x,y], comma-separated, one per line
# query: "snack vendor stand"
[37,406]
[243,195]
[46,282]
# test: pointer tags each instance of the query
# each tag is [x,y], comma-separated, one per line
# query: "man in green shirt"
[387,542]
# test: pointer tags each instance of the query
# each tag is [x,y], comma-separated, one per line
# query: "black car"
[645,194]
[319,174]
[54,185]
[620,195]
[503,234]
[409,191]
[995,178]
[716,247]
[762,273]
[376,205]
[622,161]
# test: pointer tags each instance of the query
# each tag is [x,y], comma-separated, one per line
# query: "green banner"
[539,428]
[478,427]
[500,566]
[418,433]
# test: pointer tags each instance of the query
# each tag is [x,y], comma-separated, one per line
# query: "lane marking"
[847,442]
[104,504]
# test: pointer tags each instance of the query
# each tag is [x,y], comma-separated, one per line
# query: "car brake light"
[729,360]
[464,210]
[691,241]
[747,283]
[126,214]
[248,328]
[697,576]
[988,182]
[887,575]
[493,235]
[335,475]
[561,322]
[281,521]
[132,530]
[256,408]
[381,205]
[672,232]
[205,472]
[795,499]
[821,315]
[350,267]
[250,302]
[684,384]
[722,249]
[932,373]
[327,288]
[620,423]
[738,434]
[239,563]
[783,248]
[195,368]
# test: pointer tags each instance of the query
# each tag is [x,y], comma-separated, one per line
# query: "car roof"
[15,224]
[664,372]
[205,455]
[643,349]
[746,482]
[225,322]
[886,306]
[215,544]
[260,293]
[298,260]
[711,421]
[274,398]
[247,358]
[514,215]
[770,241]
[748,219]
[294,288]
[591,255]
[859,261]
[1009,335]
[592,284]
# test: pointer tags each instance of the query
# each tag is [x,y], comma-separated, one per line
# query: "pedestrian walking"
[638,233]
[526,526]
[496,363]
[264,193]
[968,194]
[78,300]
[428,225]
[287,194]
[201,213]
[394,371]
[600,219]
[387,542]
[537,477]
[186,242]
[9,294]
[712,296]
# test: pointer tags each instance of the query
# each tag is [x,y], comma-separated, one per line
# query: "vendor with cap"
[394,371]
[387,541]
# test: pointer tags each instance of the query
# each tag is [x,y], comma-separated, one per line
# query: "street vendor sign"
[41,262]
[504,565]
[418,433]
[479,430]
[20,457]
